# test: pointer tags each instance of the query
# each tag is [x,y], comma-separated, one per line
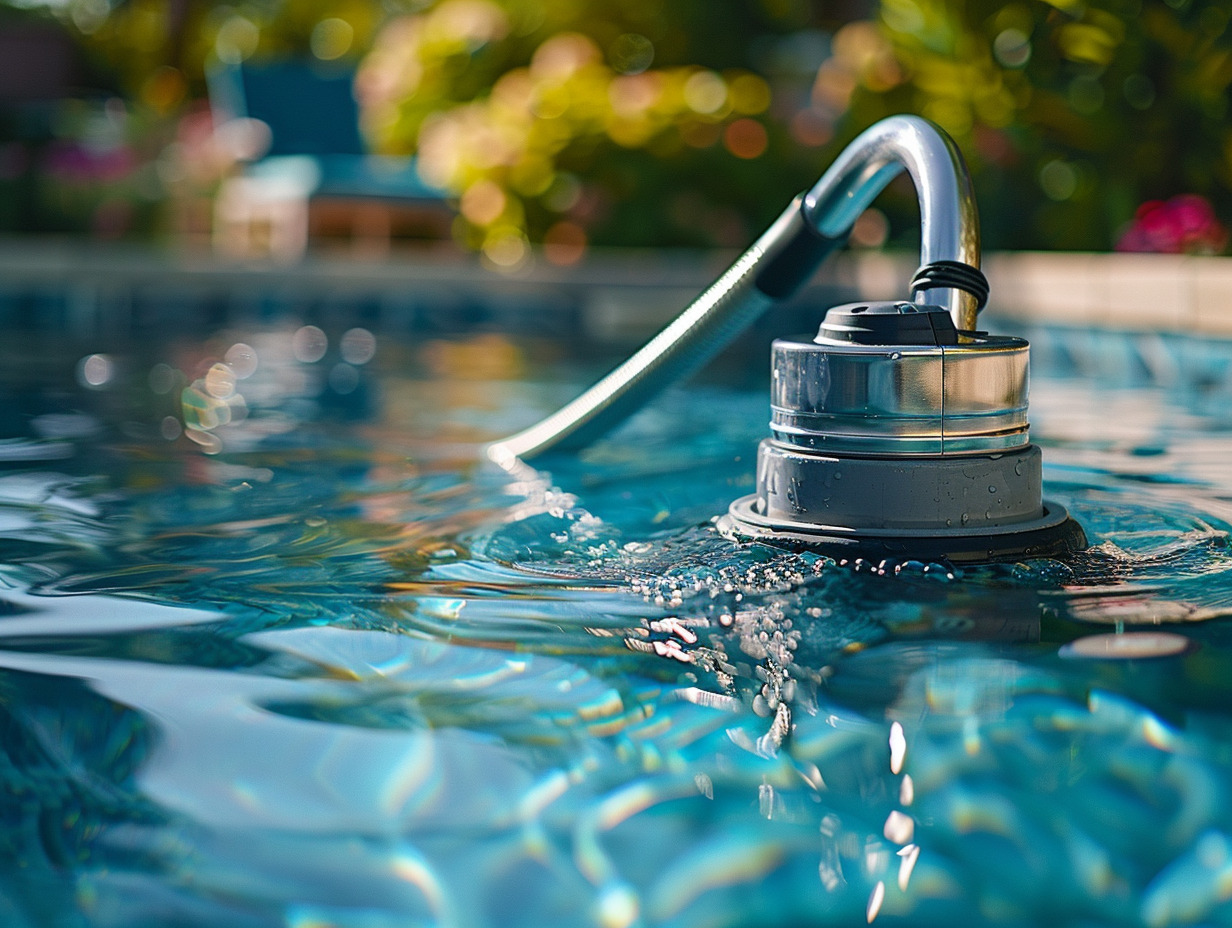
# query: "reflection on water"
[277,649]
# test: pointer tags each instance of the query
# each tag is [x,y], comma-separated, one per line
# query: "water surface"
[278,649]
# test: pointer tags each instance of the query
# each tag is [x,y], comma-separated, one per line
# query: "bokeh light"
[631,53]
[746,138]
[95,371]
[705,92]
[242,359]
[309,344]
[565,243]
[357,346]
[332,38]
[527,116]
[163,378]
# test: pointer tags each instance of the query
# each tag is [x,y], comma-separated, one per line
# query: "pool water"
[278,649]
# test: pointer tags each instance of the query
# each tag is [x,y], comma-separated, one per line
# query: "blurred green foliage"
[583,121]
[647,124]
[577,122]
[1071,113]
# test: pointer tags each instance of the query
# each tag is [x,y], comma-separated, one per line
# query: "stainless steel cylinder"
[969,398]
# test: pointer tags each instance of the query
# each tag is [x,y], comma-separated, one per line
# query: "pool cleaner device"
[898,431]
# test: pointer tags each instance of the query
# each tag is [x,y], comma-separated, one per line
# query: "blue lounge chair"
[315,150]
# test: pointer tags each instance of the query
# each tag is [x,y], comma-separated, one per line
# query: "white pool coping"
[625,295]
[1156,293]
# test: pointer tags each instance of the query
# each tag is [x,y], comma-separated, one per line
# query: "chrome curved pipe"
[949,220]
[774,267]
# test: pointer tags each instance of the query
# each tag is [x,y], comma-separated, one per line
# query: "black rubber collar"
[954,275]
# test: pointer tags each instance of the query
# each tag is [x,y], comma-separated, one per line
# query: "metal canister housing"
[969,398]
[902,450]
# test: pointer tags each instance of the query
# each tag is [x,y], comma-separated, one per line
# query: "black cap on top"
[888,323]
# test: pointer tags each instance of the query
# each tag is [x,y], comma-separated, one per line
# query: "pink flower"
[1185,224]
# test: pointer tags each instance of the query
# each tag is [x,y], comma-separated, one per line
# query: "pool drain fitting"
[898,431]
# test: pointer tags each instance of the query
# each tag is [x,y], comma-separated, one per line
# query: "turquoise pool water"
[309,663]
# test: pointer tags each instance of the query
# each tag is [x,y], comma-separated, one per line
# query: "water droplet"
[898,747]
[899,827]
[992,489]
[909,855]
[874,902]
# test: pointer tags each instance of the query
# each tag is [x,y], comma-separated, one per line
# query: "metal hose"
[775,267]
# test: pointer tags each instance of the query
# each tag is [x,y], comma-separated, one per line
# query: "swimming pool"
[278,649]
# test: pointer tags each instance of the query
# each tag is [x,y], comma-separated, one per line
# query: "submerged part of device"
[898,431]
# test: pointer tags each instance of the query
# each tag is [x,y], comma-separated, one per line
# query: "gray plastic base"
[970,493]
[1054,534]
